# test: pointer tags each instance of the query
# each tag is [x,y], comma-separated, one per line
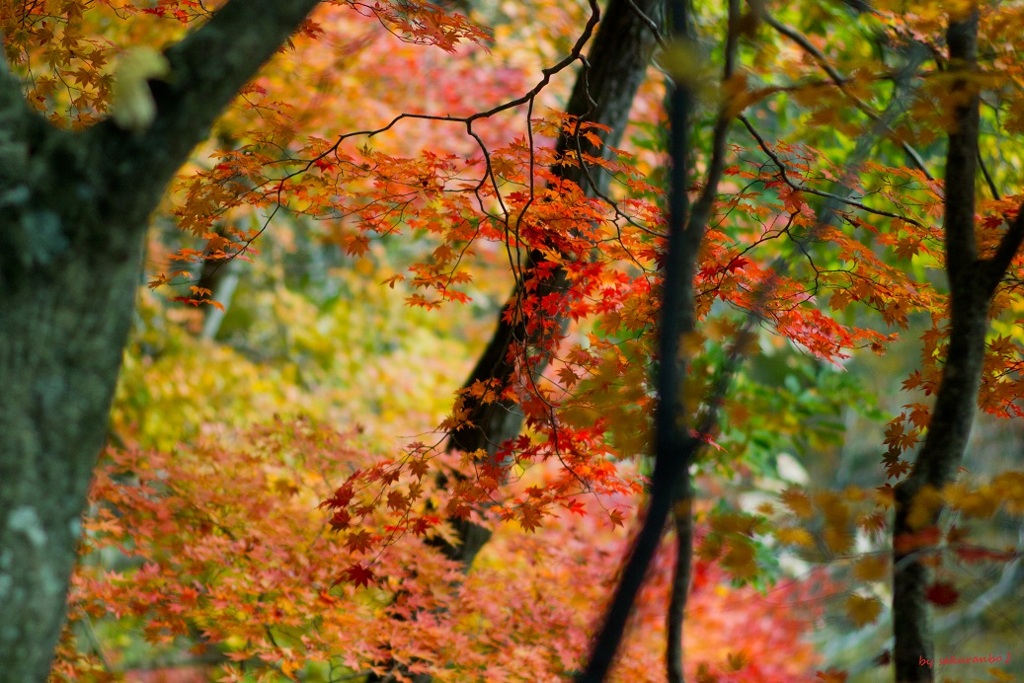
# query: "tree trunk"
[603,94]
[73,213]
[62,331]
[972,282]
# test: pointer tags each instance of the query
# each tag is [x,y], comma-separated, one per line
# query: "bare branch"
[988,178]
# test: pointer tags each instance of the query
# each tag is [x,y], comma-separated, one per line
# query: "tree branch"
[995,267]
[208,68]
[962,158]
[837,78]
[615,67]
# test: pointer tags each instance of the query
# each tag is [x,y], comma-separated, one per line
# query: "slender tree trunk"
[972,282]
[73,213]
[673,444]
[603,94]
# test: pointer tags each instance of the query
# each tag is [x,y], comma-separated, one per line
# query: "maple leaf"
[530,517]
[863,610]
[738,263]
[340,520]
[359,574]
[907,247]
[924,508]
[740,559]
[230,674]
[704,674]
[422,525]
[342,496]
[871,568]
[913,381]
[737,660]
[797,501]
[357,245]
[397,500]
[359,541]
[897,437]
[418,467]
[795,536]
[942,593]
[576,507]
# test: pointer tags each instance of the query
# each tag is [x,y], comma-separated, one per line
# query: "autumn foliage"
[270,503]
[260,579]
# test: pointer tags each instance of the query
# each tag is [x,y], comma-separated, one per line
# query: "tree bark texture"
[73,215]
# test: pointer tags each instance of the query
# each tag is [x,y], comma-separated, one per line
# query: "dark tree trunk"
[972,282]
[73,214]
[618,60]
[62,328]
[603,94]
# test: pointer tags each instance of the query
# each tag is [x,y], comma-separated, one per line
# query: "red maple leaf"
[358,574]
[359,541]
[942,593]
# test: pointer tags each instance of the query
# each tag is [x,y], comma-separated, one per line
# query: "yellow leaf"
[739,559]
[795,536]
[839,300]
[1009,488]
[863,611]
[711,548]
[720,329]
[733,522]
[924,507]
[365,267]
[735,94]
[823,118]
[684,63]
[837,533]
[871,568]
[980,504]
[838,539]
[797,501]
[691,345]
